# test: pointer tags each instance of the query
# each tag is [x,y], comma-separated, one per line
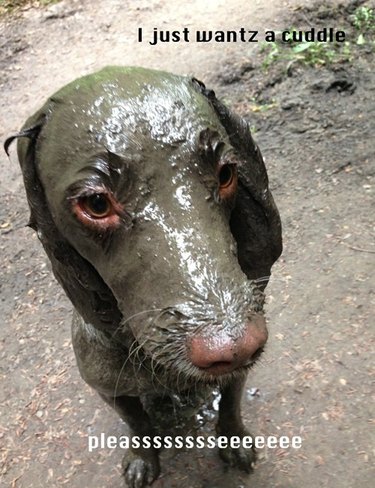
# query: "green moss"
[9,7]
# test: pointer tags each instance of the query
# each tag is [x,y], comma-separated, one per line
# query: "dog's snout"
[220,353]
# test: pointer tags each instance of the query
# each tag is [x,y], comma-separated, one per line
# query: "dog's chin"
[220,375]
[187,376]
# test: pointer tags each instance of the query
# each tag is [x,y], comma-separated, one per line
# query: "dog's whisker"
[126,321]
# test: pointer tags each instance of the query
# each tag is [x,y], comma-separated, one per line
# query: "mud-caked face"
[141,179]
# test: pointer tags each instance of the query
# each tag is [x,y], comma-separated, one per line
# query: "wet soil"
[315,127]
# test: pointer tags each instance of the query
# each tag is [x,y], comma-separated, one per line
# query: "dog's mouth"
[219,368]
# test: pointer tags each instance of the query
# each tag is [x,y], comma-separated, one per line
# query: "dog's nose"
[221,353]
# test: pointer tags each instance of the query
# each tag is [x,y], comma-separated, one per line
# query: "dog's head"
[151,200]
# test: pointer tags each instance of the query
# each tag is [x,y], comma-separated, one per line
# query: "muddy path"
[315,127]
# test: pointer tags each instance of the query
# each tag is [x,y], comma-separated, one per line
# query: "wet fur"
[99,326]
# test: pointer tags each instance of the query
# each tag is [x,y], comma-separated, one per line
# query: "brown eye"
[97,206]
[99,210]
[227,181]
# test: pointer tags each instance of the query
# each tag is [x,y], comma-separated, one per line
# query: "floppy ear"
[83,285]
[255,221]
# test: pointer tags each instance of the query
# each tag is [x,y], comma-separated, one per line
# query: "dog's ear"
[83,285]
[255,221]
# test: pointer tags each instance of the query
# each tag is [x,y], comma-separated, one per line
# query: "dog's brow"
[106,163]
[107,168]
[98,166]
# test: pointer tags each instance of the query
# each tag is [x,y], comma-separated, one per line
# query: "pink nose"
[219,353]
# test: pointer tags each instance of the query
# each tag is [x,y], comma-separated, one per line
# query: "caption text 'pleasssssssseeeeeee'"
[327,34]
[179,442]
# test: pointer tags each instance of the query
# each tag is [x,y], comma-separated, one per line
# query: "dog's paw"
[140,471]
[241,458]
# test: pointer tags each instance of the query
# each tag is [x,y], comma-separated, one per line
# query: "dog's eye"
[98,206]
[227,180]
[226,175]
[99,211]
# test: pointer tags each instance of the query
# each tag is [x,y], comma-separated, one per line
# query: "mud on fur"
[151,200]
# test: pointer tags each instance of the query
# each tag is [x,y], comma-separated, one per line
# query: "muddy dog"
[151,200]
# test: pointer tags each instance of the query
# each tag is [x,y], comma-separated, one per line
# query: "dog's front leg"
[230,424]
[141,466]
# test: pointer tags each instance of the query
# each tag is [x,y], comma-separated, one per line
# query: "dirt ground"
[315,127]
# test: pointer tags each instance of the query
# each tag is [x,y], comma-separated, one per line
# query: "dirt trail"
[315,129]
